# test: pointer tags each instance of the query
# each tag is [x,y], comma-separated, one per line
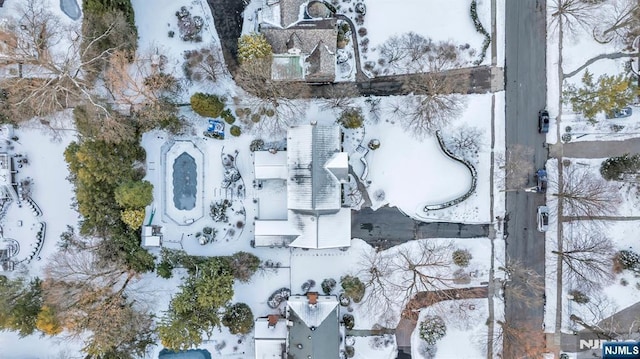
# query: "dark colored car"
[541,181]
[543,121]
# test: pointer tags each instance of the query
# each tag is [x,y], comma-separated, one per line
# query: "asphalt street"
[525,95]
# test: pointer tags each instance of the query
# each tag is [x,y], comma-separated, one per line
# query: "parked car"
[620,113]
[543,121]
[543,218]
[541,181]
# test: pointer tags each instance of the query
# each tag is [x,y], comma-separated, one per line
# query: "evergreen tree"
[243,265]
[613,168]
[432,329]
[134,194]
[606,94]
[207,105]
[253,46]
[20,303]
[238,318]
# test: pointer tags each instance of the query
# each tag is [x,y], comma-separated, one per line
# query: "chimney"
[312,297]
[272,320]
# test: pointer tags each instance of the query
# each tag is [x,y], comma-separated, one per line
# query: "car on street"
[543,121]
[541,181]
[543,218]
[620,113]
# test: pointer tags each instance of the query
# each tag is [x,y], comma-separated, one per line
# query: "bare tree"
[586,259]
[50,77]
[524,286]
[430,106]
[340,97]
[517,165]
[392,279]
[91,298]
[584,194]
[619,21]
[271,97]
[465,141]
[574,15]
[519,340]
[415,53]
[140,81]
[204,65]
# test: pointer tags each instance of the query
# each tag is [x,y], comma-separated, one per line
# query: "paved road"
[525,95]
[596,149]
[388,227]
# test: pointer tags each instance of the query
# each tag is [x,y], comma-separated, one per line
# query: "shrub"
[243,265]
[206,105]
[227,116]
[306,286]
[362,31]
[133,217]
[349,351]
[349,321]
[432,329]
[235,131]
[165,269]
[625,259]
[374,144]
[579,296]
[351,118]
[256,145]
[255,118]
[328,285]
[344,300]
[353,287]
[461,257]
[613,168]
[238,318]
[134,194]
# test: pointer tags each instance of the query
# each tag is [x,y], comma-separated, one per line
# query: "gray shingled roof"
[322,342]
[310,186]
[315,39]
[290,11]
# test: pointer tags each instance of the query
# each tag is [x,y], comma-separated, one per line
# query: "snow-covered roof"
[312,314]
[324,231]
[270,165]
[262,330]
[315,170]
[310,186]
[152,241]
[275,228]
[270,341]
[315,330]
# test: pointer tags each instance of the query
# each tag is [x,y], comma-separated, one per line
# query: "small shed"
[151,236]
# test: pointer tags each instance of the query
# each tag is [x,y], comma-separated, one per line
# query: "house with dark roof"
[314,169]
[303,35]
[310,330]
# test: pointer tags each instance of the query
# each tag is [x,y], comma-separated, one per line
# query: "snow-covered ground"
[422,163]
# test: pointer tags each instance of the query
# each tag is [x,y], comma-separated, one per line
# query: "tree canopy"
[605,94]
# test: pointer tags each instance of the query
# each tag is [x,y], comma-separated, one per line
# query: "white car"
[543,218]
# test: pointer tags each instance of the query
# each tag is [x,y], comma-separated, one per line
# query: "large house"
[310,330]
[314,168]
[303,35]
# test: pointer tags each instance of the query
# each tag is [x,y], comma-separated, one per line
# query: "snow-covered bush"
[278,297]
[380,342]
[238,318]
[432,329]
[328,285]
[218,211]
[351,118]
[235,131]
[353,287]
[625,259]
[306,286]
[349,321]
[461,257]
[579,296]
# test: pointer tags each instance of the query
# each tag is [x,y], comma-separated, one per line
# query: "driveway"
[595,149]
[388,227]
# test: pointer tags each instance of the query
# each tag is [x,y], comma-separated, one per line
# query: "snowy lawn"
[403,162]
[465,322]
